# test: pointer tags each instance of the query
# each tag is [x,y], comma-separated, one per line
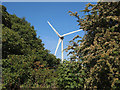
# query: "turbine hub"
[62,38]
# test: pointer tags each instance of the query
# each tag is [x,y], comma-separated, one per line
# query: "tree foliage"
[99,49]
[70,75]
[25,60]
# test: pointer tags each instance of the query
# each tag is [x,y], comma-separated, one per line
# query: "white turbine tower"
[61,37]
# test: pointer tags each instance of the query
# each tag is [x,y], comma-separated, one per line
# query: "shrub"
[70,75]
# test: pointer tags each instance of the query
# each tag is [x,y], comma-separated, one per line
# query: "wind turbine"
[61,37]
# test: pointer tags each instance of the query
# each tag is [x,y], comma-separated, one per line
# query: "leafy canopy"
[99,49]
[23,53]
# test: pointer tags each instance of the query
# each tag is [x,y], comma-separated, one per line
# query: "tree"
[99,49]
[23,53]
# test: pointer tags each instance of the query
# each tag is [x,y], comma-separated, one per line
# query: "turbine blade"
[57,45]
[54,29]
[71,32]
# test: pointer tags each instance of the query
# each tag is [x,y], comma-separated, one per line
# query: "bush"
[70,75]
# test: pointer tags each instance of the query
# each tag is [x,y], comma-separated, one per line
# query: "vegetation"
[94,60]
[25,60]
[70,75]
[99,50]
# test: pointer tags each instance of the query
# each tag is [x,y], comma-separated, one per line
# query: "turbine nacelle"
[61,37]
